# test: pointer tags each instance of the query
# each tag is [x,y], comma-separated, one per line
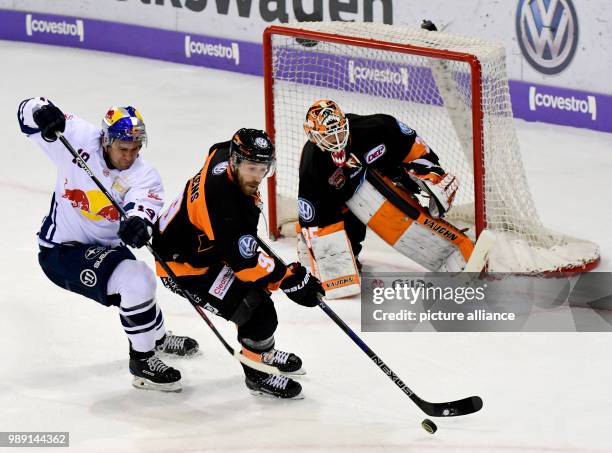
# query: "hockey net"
[453,90]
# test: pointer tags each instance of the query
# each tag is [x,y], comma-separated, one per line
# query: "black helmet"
[252,145]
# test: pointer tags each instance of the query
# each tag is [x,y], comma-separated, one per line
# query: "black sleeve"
[233,220]
[320,201]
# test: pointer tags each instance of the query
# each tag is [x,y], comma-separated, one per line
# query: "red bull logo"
[109,212]
[78,198]
[92,204]
[109,116]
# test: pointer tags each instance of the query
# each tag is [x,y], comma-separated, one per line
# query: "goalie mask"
[252,153]
[123,123]
[328,128]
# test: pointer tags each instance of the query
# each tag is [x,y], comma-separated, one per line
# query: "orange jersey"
[213,221]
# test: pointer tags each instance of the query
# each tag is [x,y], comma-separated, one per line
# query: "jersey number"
[170,213]
[266,262]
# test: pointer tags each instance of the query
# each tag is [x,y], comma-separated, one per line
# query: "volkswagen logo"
[547,32]
[306,210]
[247,246]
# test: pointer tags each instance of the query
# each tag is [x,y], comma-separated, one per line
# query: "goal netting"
[453,90]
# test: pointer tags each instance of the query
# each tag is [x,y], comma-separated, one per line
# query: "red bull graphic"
[109,212]
[92,204]
[78,198]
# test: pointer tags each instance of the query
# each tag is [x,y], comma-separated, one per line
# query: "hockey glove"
[439,186]
[49,120]
[302,287]
[135,231]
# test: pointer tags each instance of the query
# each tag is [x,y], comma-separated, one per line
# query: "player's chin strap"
[240,357]
[447,409]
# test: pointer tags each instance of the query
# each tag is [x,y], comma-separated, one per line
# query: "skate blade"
[300,372]
[145,384]
[189,355]
[260,394]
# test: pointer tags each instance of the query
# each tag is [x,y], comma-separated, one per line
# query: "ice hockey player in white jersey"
[83,242]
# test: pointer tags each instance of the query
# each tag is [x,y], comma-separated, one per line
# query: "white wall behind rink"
[246,19]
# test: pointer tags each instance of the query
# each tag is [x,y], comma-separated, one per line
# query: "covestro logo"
[570,103]
[231,52]
[63,27]
[357,72]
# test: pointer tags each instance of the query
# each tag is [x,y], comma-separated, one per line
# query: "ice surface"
[64,358]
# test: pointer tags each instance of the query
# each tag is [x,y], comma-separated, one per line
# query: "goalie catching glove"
[302,287]
[439,186]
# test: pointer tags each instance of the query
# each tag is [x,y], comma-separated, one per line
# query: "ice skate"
[287,362]
[177,345]
[153,374]
[272,386]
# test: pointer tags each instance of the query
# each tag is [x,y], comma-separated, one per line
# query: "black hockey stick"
[240,357]
[463,406]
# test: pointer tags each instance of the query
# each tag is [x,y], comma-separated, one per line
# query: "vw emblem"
[547,33]
[247,246]
[261,142]
[306,210]
[220,168]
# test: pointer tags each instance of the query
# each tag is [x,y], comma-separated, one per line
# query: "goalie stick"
[463,406]
[237,355]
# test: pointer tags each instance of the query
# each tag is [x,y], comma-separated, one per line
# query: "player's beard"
[248,187]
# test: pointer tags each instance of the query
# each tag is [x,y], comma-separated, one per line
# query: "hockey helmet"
[255,147]
[123,123]
[328,128]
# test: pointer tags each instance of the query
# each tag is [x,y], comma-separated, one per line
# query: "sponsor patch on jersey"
[261,142]
[405,129]
[88,278]
[337,179]
[306,210]
[154,196]
[93,251]
[220,168]
[222,283]
[247,245]
[375,153]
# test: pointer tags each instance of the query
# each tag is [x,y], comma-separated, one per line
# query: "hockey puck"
[306,42]
[429,426]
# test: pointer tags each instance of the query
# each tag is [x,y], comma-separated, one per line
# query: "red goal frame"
[477,114]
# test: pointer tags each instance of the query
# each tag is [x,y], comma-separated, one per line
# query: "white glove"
[441,187]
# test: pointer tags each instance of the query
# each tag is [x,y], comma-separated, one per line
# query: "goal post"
[453,90]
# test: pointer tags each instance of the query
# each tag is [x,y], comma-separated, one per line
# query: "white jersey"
[79,210]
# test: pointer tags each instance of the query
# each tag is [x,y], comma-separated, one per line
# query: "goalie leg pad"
[434,244]
[334,261]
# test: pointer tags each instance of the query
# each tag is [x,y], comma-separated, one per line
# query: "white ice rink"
[63,360]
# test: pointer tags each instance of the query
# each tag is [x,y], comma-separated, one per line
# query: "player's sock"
[176,345]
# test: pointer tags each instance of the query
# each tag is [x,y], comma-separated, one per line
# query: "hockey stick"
[463,406]
[240,357]
[478,259]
